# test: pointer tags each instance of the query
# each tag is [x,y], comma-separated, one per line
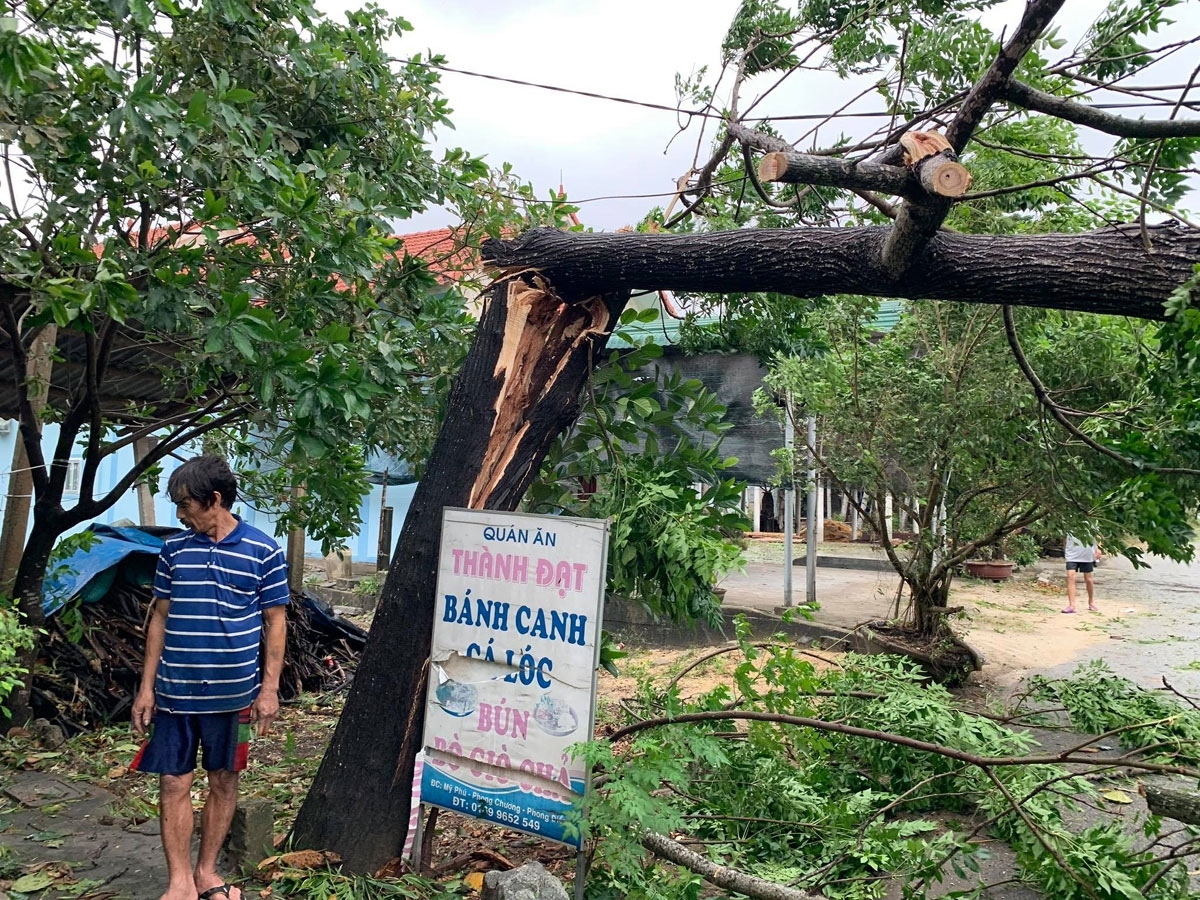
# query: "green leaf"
[197,109]
[28,884]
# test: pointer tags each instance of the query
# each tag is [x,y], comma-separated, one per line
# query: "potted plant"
[998,560]
[995,569]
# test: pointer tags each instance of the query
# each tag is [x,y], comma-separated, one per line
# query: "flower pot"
[996,570]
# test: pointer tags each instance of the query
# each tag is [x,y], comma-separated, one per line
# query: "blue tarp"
[381,466]
[128,553]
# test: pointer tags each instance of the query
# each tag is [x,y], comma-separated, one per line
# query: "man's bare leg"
[1070,591]
[1091,590]
[175,823]
[215,820]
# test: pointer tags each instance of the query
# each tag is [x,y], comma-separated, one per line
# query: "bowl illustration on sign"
[555,717]
[456,698]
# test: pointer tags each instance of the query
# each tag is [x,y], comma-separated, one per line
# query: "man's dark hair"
[202,478]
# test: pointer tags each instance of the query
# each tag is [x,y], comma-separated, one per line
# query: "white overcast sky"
[622,48]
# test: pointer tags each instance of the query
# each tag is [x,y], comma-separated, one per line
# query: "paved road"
[1160,638]
[1163,637]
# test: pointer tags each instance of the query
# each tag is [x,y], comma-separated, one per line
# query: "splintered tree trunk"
[518,389]
[1106,271]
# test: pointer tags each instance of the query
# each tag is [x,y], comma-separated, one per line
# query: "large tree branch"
[992,85]
[90,508]
[1120,126]
[917,223]
[97,352]
[790,167]
[186,419]
[1104,271]
[27,406]
[721,876]
[783,164]
[1072,754]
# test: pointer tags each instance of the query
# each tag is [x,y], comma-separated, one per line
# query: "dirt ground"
[75,817]
[1020,628]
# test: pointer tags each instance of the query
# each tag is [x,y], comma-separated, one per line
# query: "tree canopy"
[196,213]
[942,70]
[928,413]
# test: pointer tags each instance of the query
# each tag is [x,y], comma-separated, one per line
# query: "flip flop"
[1093,609]
[1066,612]
[226,889]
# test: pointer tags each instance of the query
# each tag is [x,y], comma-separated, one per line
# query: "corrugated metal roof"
[135,385]
[666,329]
[889,314]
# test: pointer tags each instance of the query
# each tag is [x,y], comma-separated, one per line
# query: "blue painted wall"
[363,547]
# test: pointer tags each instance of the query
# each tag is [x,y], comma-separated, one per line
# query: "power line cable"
[565,90]
[706,114]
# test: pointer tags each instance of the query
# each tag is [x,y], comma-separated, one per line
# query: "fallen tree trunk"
[1106,271]
[1178,803]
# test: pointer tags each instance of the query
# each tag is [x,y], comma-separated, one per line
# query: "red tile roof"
[442,250]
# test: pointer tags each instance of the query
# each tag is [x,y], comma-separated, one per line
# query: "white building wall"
[363,547]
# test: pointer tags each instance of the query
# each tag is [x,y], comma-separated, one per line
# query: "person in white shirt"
[1080,558]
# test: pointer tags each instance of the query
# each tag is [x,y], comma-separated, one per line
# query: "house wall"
[363,547]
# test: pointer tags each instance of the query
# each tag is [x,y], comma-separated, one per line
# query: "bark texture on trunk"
[791,167]
[27,589]
[1174,802]
[1106,271]
[517,389]
[39,367]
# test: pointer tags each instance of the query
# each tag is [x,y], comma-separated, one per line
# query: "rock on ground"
[530,882]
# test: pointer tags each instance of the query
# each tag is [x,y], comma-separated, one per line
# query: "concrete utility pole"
[789,503]
[810,544]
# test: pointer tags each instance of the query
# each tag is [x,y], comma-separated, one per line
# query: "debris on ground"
[91,662]
[91,657]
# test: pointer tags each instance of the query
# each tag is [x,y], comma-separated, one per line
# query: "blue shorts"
[175,738]
[1085,567]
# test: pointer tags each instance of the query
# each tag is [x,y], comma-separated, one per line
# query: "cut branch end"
[772,167]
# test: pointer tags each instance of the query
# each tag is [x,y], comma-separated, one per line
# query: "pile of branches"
[91,661]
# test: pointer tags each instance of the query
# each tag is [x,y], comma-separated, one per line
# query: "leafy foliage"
[928,411]
[1113,45]
[209,191]
[842,815]
[14,637]
[1099,701]
[328,884]
[249,230]
[645,439]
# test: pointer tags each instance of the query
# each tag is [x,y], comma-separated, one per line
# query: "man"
[1080,557]
[219,587]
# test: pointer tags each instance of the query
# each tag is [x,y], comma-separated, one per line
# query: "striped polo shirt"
[217,591]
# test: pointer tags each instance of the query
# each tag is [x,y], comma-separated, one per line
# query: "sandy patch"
[1019,625]
[696,669]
